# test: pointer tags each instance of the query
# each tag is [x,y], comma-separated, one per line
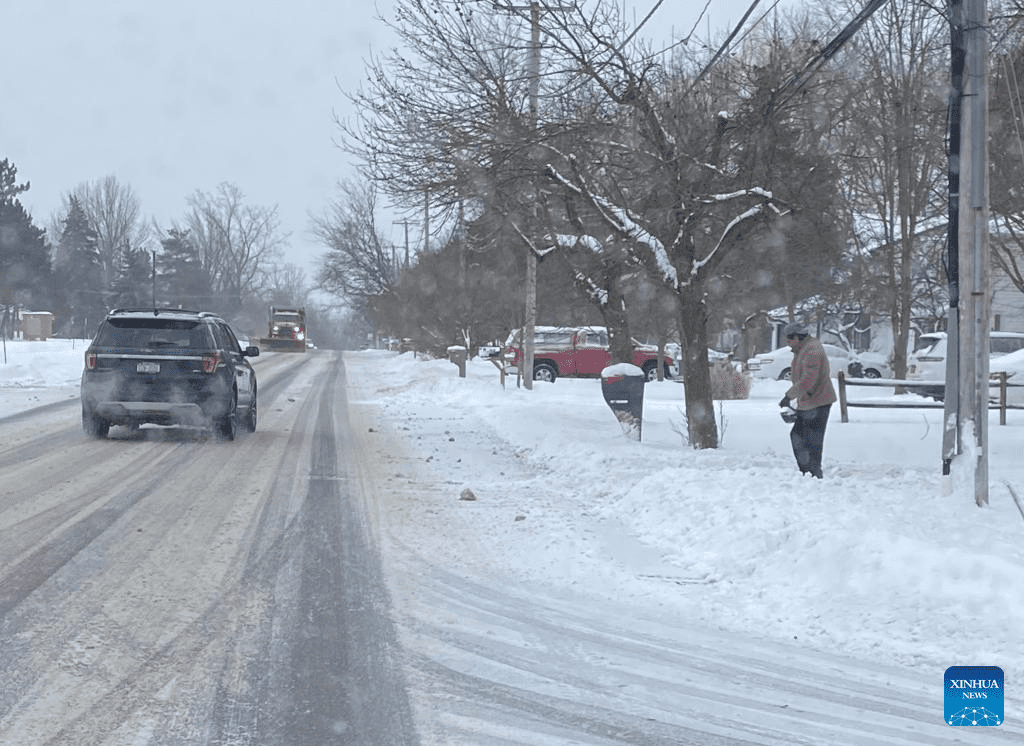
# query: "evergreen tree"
[80,272]
[24,254]
[133,286]
[183,280]
[24,258]
[9,188]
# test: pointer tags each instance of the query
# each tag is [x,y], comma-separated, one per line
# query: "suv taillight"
[211,363]
[90,360]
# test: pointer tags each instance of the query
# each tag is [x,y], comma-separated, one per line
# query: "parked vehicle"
[580,351]
[167,367]
[1012,363]
[928,362]
[675,351]
[869,365]
[778,364]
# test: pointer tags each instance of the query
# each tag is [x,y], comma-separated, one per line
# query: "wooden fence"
[998,381]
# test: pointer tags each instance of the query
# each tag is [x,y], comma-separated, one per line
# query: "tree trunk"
[620,345]
[701,428]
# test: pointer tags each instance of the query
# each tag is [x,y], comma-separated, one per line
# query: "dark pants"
[808,436]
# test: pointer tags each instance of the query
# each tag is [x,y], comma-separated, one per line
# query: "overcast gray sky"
[177,96]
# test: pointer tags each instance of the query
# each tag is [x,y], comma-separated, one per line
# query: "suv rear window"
[152,334]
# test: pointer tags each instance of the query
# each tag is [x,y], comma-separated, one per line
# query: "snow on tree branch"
[751,214]
[594,291]
[620,220]
[568,240]
[752,192]
[530,245]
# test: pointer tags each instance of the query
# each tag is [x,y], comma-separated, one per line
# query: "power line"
[798,81]
[725,45]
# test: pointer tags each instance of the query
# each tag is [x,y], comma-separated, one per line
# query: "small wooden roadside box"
[36,325]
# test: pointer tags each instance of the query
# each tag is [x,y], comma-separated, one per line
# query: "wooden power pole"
[530,312]
[530,320]
[965,437]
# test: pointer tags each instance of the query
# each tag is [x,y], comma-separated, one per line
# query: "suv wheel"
[227,426]
[544,372]
[785,375]
[872,373]
[93,425]
[250,415]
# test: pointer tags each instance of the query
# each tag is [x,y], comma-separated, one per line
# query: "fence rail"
[998,380]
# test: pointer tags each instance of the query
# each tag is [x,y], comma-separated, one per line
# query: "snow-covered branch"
[728,196]
[594,291]
[622,223]
[530,244]
[751,214]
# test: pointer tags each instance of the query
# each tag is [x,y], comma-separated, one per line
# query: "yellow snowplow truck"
[286,331]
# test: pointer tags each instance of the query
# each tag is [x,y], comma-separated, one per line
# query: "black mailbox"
[624,393]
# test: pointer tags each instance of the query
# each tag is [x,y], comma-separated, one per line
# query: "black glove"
[784,402]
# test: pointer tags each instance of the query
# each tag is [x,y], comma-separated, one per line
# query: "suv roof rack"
[156,311]
[159,310]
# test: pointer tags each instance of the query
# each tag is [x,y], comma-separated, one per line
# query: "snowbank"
[873,561]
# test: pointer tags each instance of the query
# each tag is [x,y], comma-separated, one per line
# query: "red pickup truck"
[580,351]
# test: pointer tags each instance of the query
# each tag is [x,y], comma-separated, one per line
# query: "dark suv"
[167,367]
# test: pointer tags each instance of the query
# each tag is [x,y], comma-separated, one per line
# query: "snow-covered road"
[164,588]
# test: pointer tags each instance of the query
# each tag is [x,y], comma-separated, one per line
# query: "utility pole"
[530,312]
[404,222]
[967,368]
[951,410]
[426,222]
[530,320]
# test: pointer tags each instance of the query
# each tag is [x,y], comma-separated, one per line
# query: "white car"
[869,365]
[778,363]
[928,363]
[1013,365]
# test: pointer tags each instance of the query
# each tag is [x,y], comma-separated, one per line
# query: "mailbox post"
[457,354]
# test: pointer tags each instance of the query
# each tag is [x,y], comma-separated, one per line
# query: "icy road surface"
[320,581]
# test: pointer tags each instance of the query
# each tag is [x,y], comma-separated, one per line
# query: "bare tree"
[286,285]
[634,164]
[1006,116]
[451,107]
[237,242]
[358,263]
[893,158]
[114,212]
[676,183]
[444,125]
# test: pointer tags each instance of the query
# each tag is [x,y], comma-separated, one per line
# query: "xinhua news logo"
[974,695]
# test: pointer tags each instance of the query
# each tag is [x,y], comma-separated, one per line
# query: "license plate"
[148,367]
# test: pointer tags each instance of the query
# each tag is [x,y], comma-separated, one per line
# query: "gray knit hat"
[796,327]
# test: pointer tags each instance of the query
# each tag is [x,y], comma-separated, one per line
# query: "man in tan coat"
[811,395]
